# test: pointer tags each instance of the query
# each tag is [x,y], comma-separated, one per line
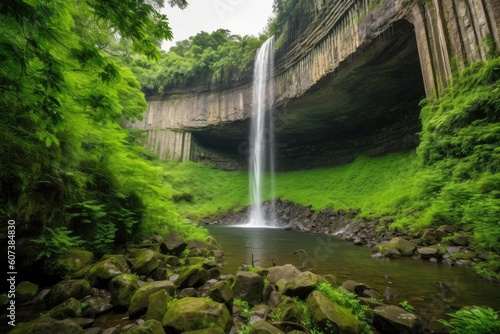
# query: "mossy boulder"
[289,310]
[303,284]
[71,308]
[173,244]
[67,289]
[146,261]
[393,319]
[48,325]
[140,299]
[248,287]
[286,272]
[73,264]
[221,292]
[331,317]
[102,272]
[263,327]
[147,327]
[397,247]
[190,314]
[123,288]
[25,291]
[192,276]
[157,305]
[355,287]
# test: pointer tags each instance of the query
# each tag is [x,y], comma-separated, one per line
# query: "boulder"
[73,264]
[286,272]
[173,244]
[26,291]
[67,289]
[444,230]
[157,305]
[122,289]
[139,301]
[198,244]
[147,327]
[429,237]
[331,317]
[288,310]
[146,261]
[399,246]
[71,308]
[393,319]
[355,287]
[48,325]
[460,240]
[221,292]
[187,292]
[263,327]
[98,303]
[427,252]
[302,285]
[248,287]
[189,314]
[102,272]
[192,276]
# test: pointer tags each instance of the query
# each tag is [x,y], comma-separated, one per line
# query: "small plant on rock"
[404,304]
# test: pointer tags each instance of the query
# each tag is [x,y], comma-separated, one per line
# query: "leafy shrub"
[473,320]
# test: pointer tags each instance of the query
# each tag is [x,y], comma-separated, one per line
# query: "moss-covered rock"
[147,327]
[288,310]
[173,244]
[263,327]
[393,319]
[48,326]
[157,305]
[67,289]
[146,261]
[25,291]
[221,292]
[140,299]
[303,284]
[397,247]
[190,314]
[248,287]
[73,264]
[330,317]
[286,272]
[71,308]
[192,276]
[123,288]
[102,272]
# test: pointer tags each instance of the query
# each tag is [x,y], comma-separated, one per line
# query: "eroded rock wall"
[354,74]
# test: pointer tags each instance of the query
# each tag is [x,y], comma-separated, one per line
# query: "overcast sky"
[241,17]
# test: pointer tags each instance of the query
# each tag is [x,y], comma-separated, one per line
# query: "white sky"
[241,17]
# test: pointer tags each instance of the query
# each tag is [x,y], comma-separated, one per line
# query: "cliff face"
[348,83]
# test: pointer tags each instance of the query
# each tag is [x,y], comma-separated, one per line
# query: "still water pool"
[432,288]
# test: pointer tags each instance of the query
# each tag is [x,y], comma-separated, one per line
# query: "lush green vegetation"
[68,169]
[212,59]
[452,178]
[473,320]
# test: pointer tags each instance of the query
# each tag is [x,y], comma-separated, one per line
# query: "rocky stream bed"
[171,285]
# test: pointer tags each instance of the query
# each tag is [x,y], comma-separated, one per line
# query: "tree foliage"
[202,59]
[66,161]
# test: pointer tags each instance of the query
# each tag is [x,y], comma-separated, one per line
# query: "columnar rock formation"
[348,82]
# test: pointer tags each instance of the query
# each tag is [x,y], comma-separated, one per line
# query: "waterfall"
[262,135]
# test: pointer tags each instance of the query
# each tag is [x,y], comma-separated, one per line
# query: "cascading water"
[261,134]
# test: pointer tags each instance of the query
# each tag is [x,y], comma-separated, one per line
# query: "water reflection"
[431,287]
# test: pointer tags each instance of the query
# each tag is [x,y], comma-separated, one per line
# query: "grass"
[452,178]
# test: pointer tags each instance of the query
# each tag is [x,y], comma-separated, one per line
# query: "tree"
[65,157]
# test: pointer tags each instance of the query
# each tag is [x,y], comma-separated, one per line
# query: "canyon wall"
[349,77]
